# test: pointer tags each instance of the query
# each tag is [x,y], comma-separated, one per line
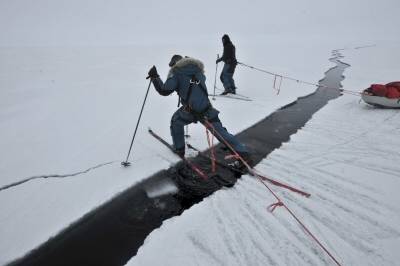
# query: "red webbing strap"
[279,184]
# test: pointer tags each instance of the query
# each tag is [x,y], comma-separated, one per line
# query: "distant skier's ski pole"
[215,77]
[126,163]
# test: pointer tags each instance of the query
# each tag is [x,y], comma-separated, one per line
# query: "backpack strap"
[203,89]
[193,81]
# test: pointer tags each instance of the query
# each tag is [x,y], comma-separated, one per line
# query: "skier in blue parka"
[187,78]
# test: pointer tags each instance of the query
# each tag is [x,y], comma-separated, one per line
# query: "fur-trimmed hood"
[187,66]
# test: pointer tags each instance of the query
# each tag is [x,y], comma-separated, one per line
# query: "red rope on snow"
[272,207]
[279,201]
[351,92]
[296,80]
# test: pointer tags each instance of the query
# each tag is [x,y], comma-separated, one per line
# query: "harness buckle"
[194,81]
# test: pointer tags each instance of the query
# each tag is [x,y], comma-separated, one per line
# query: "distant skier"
[229,58]
[187,78]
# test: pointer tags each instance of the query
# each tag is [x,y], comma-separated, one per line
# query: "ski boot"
[180,152]
[229,90]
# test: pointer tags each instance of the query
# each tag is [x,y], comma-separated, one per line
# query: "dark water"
[113,233]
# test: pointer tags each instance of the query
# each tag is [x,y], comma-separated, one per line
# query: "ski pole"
[126,163]
[215,77]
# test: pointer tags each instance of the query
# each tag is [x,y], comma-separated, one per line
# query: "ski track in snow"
[349,215]
[362,215]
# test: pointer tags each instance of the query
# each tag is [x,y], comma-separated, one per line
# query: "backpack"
[196,97]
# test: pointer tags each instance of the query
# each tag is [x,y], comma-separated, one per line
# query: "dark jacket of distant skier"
[229,58]
[186,77]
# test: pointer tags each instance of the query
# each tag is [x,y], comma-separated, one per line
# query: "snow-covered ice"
[65,110]
[72,83]
[346,157]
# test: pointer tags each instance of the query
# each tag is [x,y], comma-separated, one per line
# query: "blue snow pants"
[227,77]
[182,117]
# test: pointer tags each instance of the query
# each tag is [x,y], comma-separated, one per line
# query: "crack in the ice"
[53,176]
[356,48]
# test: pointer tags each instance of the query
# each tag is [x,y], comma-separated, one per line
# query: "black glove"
[153,73]
[218,60]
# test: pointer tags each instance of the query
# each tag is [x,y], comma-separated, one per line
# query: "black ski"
[233,97]
[237,94]
[189,163]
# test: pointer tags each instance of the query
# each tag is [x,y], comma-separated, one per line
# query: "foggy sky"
[101,22]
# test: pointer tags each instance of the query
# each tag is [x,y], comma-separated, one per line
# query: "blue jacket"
[187,78]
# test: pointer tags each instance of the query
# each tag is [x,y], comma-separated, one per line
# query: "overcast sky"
[103,22]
